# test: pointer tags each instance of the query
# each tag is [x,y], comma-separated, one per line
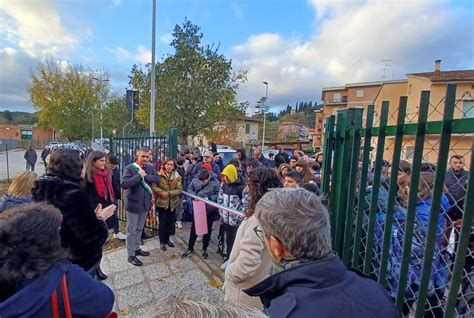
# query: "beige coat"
[249,263]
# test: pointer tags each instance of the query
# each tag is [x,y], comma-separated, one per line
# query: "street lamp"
[101,102]
[264,113]
[6,152]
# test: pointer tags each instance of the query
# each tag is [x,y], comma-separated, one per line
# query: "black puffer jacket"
[82,233]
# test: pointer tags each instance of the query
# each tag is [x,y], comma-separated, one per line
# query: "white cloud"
[237,11]
[8,52]
[116,2]
[36,27]
[351,39]
[166,38]
[120,53]
[140,54]
[143,54]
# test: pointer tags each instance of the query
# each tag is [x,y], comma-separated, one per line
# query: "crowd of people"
[274,232]
[446,238]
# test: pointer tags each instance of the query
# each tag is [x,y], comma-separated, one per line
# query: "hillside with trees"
[18,118]
[301,112]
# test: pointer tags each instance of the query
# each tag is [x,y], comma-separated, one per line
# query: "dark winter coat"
[281,158]
[94,198]
[136,198]
[82,233]
[215,170]
[31,156]
[44,154]
[9,201]
[220,164]
[116,183]
[267,162]
[209,191]
[323,288]
[456,182]
[88,297]
[243,158]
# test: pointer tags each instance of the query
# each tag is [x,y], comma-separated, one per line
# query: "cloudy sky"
[297,46]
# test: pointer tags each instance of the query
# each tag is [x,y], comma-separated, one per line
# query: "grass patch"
[4,184]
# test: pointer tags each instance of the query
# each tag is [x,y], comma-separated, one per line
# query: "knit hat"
[206,166]
[203,174]
[230,172]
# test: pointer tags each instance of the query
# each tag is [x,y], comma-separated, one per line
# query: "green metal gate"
[367,201]
[161,146]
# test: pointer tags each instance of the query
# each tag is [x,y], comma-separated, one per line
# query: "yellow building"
[361,95]
[247,132]
[435,82]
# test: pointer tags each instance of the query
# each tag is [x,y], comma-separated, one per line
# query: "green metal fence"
[397,225]
[161,146]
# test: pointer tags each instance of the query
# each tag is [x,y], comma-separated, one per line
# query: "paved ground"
[139,289]
[16,163]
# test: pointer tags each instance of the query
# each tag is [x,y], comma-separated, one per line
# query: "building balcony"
[342,100]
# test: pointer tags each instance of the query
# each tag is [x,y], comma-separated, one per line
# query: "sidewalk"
[17,163]
[139,289]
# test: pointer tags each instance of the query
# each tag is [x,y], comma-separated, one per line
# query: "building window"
[336,97]
[247,128]
[360,93]
[468,108]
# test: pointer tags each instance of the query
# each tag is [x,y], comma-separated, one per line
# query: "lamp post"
[6,153]
[101,102]
[153,87]
[264,113]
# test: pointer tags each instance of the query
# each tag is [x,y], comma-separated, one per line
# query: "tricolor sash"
[137,167]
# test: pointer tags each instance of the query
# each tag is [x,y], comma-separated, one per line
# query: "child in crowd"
[293,179]
[230,196]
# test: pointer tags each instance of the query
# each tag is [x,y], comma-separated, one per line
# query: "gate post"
[342,163]
[173,142]
[354,134]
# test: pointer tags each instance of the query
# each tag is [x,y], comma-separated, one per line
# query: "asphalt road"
[16,163]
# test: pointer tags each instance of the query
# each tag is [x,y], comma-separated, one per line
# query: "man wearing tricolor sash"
[138,198]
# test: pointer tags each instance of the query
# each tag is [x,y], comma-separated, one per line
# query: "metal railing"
[401,219]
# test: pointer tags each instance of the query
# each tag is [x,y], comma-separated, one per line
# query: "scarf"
[136,166]
[101,179]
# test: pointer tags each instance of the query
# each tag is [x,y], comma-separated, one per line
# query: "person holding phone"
[83,229]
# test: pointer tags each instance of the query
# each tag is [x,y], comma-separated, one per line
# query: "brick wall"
[14,133]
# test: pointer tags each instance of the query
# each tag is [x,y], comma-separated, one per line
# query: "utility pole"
[101,104]
[264,113]
[387,63]
[153,88]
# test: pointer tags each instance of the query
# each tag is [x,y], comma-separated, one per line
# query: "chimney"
[437,65]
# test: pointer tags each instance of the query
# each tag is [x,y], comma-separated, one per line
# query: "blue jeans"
[30,166]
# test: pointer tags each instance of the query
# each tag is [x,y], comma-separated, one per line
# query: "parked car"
[266,152]
[219,147]
[81,150]
[52,144]
[226,155]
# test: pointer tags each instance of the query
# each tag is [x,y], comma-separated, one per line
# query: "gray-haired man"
[138,198]
[314,282]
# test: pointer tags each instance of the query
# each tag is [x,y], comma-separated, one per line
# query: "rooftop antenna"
[387,63]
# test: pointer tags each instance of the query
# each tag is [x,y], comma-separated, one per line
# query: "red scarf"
[100,179]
